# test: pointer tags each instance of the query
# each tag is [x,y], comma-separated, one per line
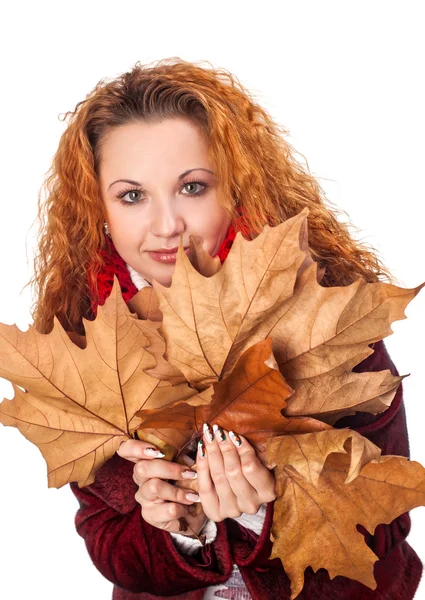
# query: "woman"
[159,153]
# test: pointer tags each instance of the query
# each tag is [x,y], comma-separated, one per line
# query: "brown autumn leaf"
[249,400]
[308,260]
[205,264]
[316,353]
[145,304]
[203,316]
[328,483]
[78,404]
[156,347]
[268,287]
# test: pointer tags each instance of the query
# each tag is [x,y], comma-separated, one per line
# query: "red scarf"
[115,265]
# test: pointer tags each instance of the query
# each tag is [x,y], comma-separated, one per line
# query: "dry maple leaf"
[205,317]
[205,264]
[77,404]
[145,304]
[327,483]
[324,332]
[250,401]
[268,287]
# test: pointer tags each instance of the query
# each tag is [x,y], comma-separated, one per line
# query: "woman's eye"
[132,196]
[191,187]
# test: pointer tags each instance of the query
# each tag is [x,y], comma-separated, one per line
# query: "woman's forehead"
[146,147]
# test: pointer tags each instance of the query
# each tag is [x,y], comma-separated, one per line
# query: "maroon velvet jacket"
[143,563]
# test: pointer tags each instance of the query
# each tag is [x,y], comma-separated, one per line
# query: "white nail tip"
[152,452]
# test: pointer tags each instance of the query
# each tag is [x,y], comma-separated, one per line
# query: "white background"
[346,79]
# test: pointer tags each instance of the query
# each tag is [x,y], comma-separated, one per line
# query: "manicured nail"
[208,432]
[153,452]
[187,474]
[201,449]
[235,439]
[220,433]
[193,497]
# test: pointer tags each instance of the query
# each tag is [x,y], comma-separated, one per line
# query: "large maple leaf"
[268,287]
[327,484]
[79,404]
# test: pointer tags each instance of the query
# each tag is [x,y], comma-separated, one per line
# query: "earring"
[106,229]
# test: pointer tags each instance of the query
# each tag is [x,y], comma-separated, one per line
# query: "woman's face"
[157,183]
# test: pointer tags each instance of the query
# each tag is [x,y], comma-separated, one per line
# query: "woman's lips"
[163,256]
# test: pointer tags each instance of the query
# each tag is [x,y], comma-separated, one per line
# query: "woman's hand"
[162,503]
[231,478]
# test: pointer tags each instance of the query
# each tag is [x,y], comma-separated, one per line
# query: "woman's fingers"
[246,494]
[156,489]
[163,505]
[206,487]
[161,469]
[218,499]
[231,478]
[259,477]
[135,450]
[164,515]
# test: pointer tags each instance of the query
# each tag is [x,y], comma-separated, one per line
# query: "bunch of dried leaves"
[257,343]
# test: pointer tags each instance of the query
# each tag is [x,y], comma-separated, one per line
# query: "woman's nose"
[166,221]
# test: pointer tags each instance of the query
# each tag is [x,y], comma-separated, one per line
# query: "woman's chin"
[162,274]
[164,283]
[164,279]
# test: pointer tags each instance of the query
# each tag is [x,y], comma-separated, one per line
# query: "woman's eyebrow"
[132,182]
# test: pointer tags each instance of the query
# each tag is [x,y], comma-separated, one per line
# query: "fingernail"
[193,497]
[220,433]
[188,460]
[153,452]
[201,449]
[208,432]
[235,439]
[187,474]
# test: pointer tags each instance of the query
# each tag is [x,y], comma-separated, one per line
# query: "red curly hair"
[253,163]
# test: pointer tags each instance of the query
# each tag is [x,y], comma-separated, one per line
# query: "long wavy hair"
[253,161]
